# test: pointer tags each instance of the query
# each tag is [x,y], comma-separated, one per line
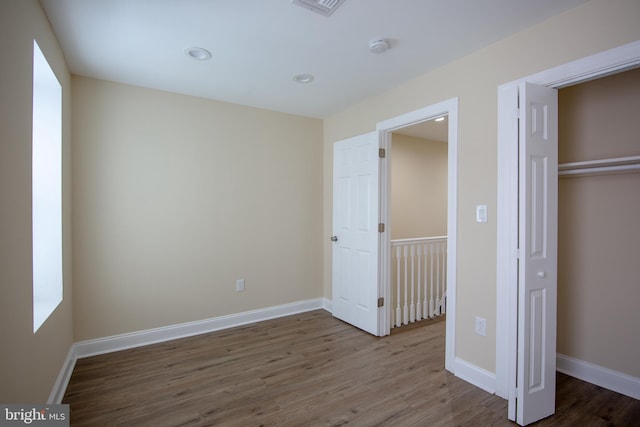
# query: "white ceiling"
[259,45]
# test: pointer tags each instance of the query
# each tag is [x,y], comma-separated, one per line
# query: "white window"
[46,173]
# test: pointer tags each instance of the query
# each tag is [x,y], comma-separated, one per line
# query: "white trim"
[475,375]
[449,107]
[507,214]
[152,336]
[418,240]
[601,64]
[182,330]
[60,386]
[591,67]
[599,375]
[327,305]
[384,242]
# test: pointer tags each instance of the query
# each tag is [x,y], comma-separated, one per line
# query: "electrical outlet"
[481,326]
[240,285]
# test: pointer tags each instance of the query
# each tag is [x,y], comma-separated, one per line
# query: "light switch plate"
[481,213]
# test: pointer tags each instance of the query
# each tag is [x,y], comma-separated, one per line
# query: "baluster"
[418,302]
[431,302]
[398,320]
[412,307]
[405,317]
[425,302]
[420,293]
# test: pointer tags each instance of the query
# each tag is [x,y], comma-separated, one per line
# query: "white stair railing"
[419,283]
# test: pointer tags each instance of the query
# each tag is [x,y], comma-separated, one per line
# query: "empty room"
[200,225]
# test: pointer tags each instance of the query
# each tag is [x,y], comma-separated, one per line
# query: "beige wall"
[599,119]
[418,187]
[29,363]
[598,233]
[585,30]
[177,197]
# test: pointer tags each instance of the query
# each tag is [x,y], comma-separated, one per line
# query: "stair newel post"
[418,301]
[398,309]
[437,308]
[443,309]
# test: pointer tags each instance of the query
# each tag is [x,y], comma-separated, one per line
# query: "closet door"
[537,287]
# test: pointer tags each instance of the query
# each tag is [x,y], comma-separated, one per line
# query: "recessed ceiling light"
[198,53]
[303,78]
[439,119]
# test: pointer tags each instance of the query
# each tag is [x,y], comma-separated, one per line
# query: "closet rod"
[619,164]
[596,170]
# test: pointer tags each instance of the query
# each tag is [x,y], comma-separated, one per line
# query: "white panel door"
[356,238]
[537,288]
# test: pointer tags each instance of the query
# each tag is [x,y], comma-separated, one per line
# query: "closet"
[599,222]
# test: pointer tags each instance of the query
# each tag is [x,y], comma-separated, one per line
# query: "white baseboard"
[594,374]
[598,375]
[327,304]
[475,375]
[137,339]
[60,386]
[182,330]
[479,377]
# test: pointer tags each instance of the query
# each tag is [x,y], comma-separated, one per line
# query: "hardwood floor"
[308,370]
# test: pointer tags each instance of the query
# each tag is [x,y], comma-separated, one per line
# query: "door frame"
[595,66]
[386,128]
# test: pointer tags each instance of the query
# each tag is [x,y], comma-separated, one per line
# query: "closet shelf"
[593,167]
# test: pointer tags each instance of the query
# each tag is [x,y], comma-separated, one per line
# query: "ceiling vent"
[323,7]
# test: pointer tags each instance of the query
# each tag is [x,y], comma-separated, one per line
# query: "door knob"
[334,238]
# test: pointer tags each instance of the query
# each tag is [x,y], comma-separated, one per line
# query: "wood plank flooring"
[308,370]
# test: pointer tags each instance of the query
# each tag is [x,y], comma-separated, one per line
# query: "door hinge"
[380,302]
[381,227]
[382,153]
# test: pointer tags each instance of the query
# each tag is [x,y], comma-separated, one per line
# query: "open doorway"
[418,222]
[449,109]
